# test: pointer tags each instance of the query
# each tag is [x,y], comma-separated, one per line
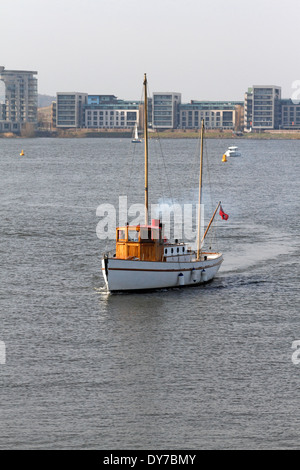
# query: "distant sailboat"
[135,138]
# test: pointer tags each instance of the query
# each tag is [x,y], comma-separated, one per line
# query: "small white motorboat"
[233,152]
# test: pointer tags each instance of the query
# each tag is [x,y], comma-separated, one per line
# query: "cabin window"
[177,250]
[121,235]
[145,233]
[133,235]
[166,251]
[183,249]
[172,250]
[156,234]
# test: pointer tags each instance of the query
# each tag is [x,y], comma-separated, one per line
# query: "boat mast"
[146,147]
[200,192]
[211,221]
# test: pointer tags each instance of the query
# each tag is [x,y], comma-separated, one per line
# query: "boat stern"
[104,267]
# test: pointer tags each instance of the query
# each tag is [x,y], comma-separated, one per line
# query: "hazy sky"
[210,50]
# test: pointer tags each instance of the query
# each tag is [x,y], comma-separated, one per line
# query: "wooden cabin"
[143,242]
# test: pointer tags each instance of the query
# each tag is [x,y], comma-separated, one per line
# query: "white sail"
[135,137]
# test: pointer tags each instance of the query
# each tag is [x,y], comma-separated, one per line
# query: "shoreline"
[166,134]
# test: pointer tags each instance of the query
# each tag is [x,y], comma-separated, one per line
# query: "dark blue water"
[208,367]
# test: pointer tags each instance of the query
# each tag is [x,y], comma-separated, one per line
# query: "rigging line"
[207,159]
[213,236]
[130,167]
[213,233]
[162,171]
[195,164]
[164,165]
[194,175]
[159,152]
[166,172]
[208,171]
[163,161]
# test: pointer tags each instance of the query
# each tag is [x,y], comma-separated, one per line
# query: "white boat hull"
[134,275]
[229,153]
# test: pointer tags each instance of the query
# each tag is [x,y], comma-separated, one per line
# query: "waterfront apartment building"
[70,109]
[109,112]
[165,108]
[290,114]
[21,99]
[165,111]
[248,107]
[262,108]
[216,114]
[2,111]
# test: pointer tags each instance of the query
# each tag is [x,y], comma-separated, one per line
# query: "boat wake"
[247,255]
[253,255]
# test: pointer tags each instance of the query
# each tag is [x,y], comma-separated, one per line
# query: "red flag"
[222,214]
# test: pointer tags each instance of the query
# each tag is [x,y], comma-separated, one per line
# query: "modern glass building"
[165,110]
[216,114]
[70,109]
[290,114]
[248,109]
[263,108]
[109,112]
[21,98]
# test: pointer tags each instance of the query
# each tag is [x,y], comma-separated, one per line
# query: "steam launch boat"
[144,260]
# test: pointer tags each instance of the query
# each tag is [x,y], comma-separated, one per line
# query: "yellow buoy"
[224,159]
[22,153]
